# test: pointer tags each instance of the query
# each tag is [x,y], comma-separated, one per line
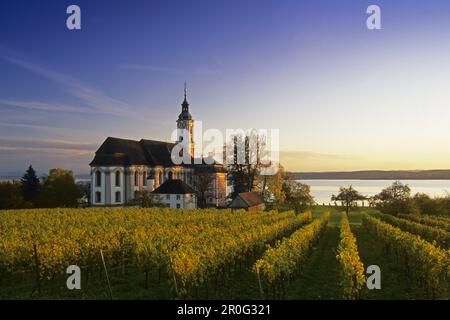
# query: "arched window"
[136,178]
[170,176]
[98,197]
[145,178]
[98,179]
[118,197]
[117,176]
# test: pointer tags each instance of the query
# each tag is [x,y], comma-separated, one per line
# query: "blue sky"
[343,97]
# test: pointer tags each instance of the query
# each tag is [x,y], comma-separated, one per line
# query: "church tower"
[185,124]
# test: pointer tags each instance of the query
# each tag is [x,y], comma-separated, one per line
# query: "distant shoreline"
[334,175]
[374,175]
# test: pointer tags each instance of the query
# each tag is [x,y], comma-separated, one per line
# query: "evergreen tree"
[30,185]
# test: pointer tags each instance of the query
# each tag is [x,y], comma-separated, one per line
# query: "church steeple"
[185,124]
[185,115]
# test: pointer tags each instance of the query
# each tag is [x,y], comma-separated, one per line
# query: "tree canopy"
[396,199]
[298,195]
[59,189]
[349,197]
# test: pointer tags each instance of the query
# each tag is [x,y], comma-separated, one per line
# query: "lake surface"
[323,189]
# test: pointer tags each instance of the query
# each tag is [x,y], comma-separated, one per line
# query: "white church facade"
[122,167]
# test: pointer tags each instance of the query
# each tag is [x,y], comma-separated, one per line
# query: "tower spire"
[185,105]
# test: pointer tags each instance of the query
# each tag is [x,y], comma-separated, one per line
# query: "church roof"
[124,152]
[174,186]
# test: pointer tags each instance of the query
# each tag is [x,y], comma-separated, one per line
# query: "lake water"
[323,189]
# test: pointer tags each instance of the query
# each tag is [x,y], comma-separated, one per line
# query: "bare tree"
[245,165]
[202,184]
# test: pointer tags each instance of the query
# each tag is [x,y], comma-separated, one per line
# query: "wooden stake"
[36,262]
[106,273]
[174,277]
[260,285]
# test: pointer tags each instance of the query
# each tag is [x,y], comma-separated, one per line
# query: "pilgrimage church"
[123,167]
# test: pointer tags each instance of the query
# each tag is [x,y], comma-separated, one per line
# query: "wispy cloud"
[144,67]
[51,129]
[308,155]
[48,106]
[17,144]
[93,99]
[166,70]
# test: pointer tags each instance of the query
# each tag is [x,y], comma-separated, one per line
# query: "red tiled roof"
[251,198]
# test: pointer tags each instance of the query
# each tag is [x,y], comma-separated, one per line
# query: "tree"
[297,195]
[272,187]
[397,191]
[244,162]
[396,199]
[11,196]
[202,184]
[445,204]
[426,205]
[30,185]
[348,197]
[59,189]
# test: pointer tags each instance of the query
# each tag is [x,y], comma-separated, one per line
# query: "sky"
[343,97]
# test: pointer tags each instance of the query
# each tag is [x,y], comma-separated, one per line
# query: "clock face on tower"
[180,124]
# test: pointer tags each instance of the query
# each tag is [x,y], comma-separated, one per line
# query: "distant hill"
[10,176]
[376,175]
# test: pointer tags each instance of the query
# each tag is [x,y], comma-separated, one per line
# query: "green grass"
[319,277]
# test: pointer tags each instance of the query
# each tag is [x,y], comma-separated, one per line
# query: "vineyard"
[221,254]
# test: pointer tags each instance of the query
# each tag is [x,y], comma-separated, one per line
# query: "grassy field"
[318,278]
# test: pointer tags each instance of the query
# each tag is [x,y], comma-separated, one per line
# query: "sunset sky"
[344,97]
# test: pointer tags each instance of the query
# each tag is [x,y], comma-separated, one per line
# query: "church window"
[117,178]
[98,197]
[136,178]
[118,197]
[145,178]
[170,175]
[98,179]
